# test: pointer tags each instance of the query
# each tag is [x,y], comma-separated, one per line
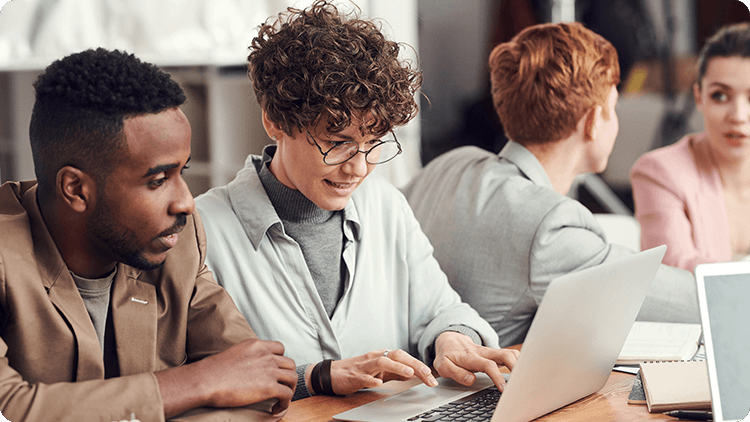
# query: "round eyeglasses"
[338,152]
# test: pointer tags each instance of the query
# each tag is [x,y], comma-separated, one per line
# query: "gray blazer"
[501,234]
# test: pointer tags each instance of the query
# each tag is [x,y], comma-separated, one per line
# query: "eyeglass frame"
[380,142]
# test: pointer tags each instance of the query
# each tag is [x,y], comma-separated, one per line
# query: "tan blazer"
[162,319]
[679,201]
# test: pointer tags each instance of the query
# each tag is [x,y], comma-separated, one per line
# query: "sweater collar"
[256,212]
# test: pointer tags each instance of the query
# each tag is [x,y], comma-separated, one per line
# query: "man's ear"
[273,129]
[76,188]
[590,122]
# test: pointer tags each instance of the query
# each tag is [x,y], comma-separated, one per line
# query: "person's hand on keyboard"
[372,369]
[458,357]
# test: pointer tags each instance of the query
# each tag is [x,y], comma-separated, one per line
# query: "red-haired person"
[501,224]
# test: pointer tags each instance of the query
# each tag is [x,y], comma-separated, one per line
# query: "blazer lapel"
[134,313]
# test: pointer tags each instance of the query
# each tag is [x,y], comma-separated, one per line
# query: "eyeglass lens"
[381,153]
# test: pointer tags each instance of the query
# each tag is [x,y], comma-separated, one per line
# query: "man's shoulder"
[462,159]
[15,222]
[452,171]
[11,194]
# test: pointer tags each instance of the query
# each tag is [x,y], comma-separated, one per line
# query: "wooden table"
[608,404]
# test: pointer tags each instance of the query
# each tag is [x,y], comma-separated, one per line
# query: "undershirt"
[95,295]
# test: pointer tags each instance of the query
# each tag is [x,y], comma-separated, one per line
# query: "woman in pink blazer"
[694,195]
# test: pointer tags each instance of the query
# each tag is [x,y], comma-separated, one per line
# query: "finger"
[280,406]
[368,381]
[491,369]
[288,378]
[284,396]
[447,369]
[275,347]
[409,366]
[282,393]
[505,357]
[397,362]
[285,362]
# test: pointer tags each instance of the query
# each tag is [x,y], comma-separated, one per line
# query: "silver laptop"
[569,351]
[724,299]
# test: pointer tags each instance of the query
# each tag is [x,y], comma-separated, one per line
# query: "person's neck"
[561,161]
[735,176]
[69,235]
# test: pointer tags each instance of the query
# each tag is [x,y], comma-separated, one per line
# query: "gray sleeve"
[570,239]
[567,239]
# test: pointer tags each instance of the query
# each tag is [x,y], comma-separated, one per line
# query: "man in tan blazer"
[107,310]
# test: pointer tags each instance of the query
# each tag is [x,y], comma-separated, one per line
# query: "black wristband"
[325,378]
[315,383]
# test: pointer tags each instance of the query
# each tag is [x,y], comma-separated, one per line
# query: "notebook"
[724,299]
[568,353]
[660,341]
[676,385]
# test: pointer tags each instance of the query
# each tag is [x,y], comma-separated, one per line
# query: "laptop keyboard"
[473,408]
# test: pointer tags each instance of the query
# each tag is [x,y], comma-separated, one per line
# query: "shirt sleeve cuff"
[473,335]
[463,329]
[301,391]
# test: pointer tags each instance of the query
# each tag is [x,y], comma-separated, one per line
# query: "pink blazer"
[679,201]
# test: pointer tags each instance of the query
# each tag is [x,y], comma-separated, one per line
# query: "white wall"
[204,35]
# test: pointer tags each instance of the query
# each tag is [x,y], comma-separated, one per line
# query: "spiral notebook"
[676,385]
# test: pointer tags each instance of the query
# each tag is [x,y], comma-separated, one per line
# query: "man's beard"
[123,242]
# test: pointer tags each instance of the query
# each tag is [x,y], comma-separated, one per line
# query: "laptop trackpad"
[430,396]
[413,401]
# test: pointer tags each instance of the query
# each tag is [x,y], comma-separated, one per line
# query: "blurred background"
[202,43]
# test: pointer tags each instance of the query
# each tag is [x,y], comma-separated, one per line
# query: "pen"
[693,415]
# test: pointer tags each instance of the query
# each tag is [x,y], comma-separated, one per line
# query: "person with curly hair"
[502,224]
[317,252]
[107,310]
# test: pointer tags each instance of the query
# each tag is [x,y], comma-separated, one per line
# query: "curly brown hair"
[548,77]
[319,62]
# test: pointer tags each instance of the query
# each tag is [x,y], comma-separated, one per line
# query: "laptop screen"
[726,305]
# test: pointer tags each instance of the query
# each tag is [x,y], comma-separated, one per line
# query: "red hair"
[548,77]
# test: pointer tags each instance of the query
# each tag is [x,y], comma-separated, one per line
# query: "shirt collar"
[527,162]
[255,210]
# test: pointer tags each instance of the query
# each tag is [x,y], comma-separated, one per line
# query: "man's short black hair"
[81,103]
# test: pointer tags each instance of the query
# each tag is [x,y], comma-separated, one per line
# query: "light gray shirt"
[502,233]
[395,295]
